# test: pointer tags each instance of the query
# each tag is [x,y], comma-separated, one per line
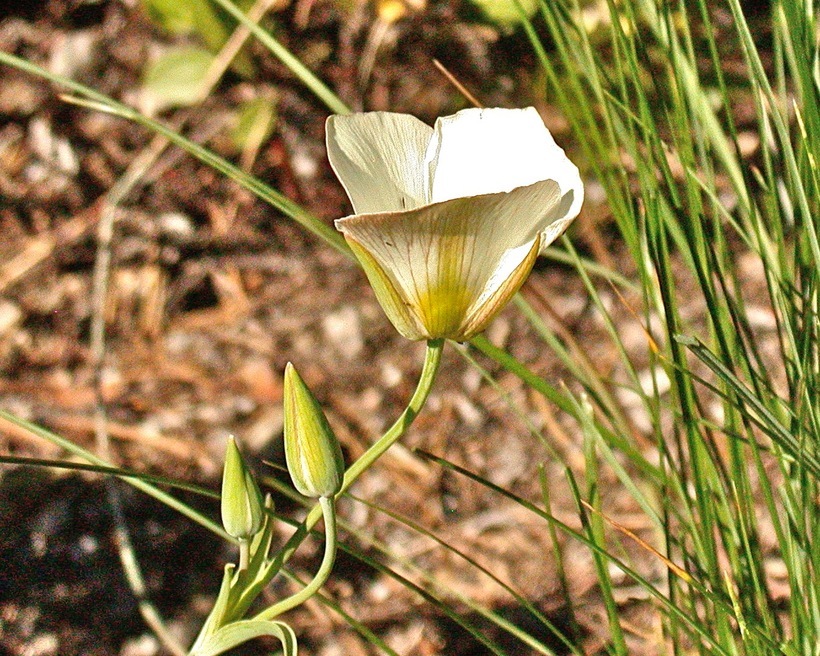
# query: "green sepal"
[217,616]
[240,588]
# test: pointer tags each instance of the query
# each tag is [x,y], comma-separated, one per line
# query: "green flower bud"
[242,506]
[312,451]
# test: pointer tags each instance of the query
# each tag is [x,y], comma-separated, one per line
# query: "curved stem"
[432,360]
[328,508]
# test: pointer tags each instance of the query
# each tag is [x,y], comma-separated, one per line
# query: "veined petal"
[379,159]
[445,269]
[390,297]
[501,288]
[479,151]
[559,221]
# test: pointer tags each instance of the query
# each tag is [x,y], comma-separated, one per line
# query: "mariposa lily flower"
[450,219]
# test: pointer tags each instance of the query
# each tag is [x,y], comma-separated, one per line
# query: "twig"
[673,567]
[452,79]
[232,46]
[40,248]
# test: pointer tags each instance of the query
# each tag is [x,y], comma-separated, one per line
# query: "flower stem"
[328,508]
[244,554]
[432,360]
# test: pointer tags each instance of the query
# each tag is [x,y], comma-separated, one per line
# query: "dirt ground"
[211,293]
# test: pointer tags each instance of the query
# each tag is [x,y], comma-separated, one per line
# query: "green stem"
[244,554]
[432,360]
[328,508]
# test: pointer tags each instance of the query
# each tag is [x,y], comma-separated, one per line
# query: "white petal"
[481,151]
[561,216]
[379,159]
[447,259]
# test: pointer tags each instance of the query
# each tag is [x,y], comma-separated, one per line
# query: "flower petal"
[501,288]
[379,159]
[389,295]
[479,151]
[443,269]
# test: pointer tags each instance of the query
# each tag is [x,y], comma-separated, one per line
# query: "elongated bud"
[242,506]
[312,451]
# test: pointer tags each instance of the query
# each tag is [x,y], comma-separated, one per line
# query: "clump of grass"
[733,493]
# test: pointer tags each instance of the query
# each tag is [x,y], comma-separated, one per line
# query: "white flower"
[449,220]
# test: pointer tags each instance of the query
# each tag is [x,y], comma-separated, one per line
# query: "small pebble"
[10,316]
[343,329]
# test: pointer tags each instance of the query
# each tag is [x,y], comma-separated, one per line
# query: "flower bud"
[242,507]
[312,451]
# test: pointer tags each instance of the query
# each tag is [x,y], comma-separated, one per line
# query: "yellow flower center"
[444,303]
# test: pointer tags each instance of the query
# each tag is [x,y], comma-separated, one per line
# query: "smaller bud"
[242,507]
[312,451]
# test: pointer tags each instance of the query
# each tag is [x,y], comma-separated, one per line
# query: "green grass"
[731,485]
[646,91]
